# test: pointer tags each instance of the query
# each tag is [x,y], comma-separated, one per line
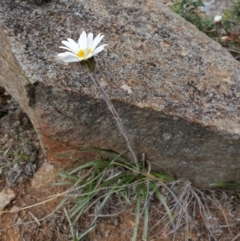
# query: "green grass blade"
[137,217]
[127,185]
[86,232]
[79,207]
[112,190]
[162,200]
[81,167]
[163,177]
[68,176]
[146,192]
[145,227]
[125,197]
[70,223]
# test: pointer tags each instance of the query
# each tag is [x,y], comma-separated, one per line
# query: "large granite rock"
[176,90]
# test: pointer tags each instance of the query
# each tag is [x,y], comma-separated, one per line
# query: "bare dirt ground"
[29,217]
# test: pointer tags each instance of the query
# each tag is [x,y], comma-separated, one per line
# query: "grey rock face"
[176,90]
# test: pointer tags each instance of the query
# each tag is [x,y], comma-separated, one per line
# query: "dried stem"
[114,113]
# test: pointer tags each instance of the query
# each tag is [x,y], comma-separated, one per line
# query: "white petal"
[62,47]
[68,57]
[89,56]
[90,40]
[73,46]
[66,54]
[96,41]
[73,43]
[82,41]
[98,49]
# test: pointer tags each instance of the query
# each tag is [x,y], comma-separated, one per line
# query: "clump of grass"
[98,184]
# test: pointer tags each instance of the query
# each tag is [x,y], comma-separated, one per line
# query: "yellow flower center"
[81,54]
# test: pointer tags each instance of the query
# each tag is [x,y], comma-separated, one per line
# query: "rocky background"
[29,40]
[176,90]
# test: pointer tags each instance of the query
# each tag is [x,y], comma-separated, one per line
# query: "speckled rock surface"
[176,90]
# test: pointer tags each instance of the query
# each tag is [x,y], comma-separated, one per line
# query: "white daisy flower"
[217,18]
[85,48]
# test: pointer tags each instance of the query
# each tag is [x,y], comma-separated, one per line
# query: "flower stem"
[114,113]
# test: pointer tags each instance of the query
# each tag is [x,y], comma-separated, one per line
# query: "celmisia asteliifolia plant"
[83,52]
